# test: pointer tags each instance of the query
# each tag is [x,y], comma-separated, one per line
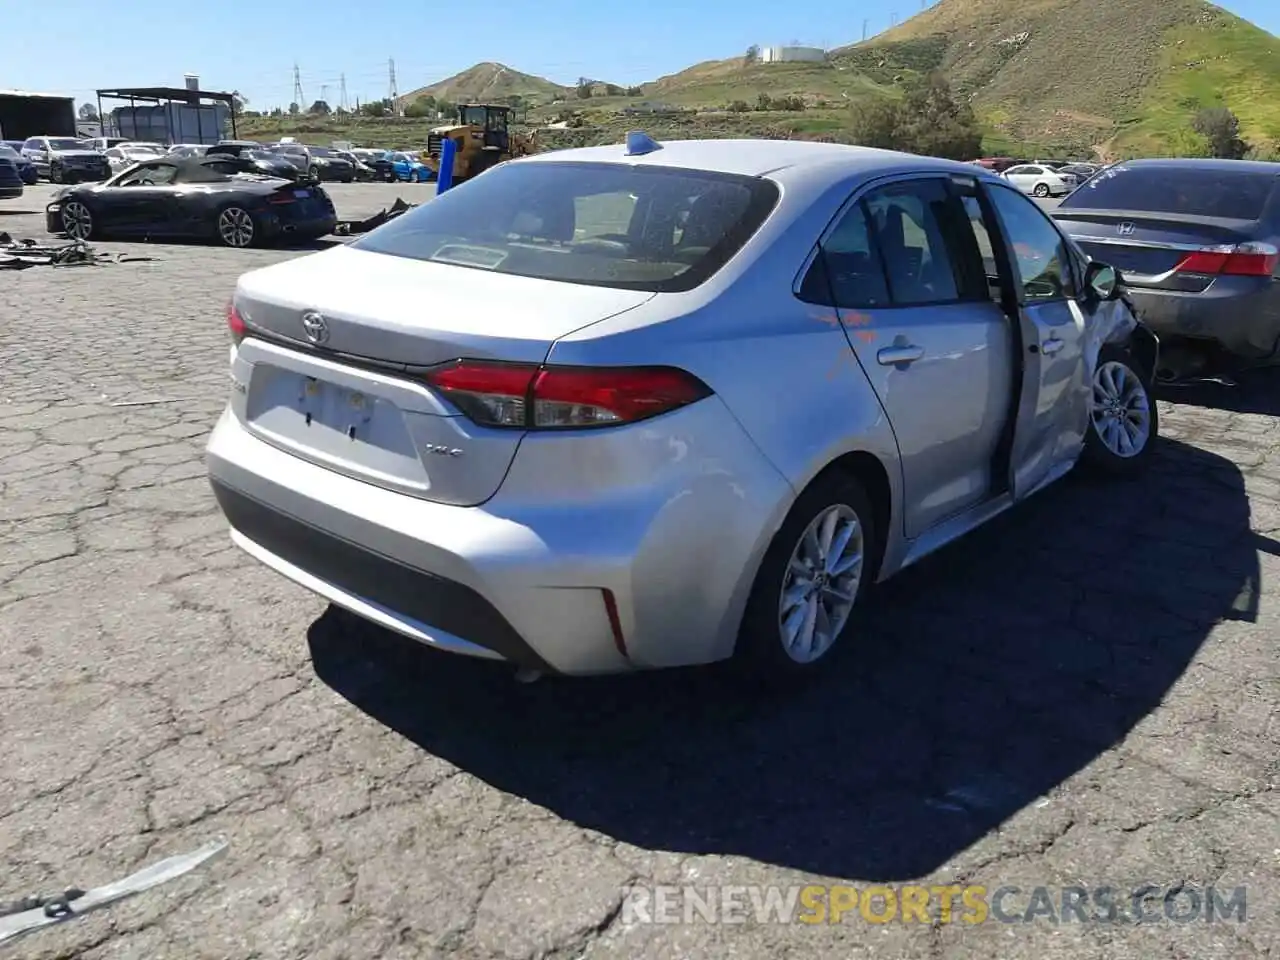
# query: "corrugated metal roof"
[32,93]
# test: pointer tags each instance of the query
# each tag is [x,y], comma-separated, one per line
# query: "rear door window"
[659,229]
[1220,192]
[907,220]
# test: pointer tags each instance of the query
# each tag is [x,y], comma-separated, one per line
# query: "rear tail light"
[235,324]
[281,198]
[1243,260]
[532,397]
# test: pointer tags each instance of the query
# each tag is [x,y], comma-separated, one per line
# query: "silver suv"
[66,160]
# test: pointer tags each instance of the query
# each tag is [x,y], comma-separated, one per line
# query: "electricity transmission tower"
[864,29]
[298,98]
[393,93]
[342,92]
[324,92]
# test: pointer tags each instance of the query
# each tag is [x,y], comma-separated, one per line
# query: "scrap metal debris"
[346,228]
[24,254]
[23,916]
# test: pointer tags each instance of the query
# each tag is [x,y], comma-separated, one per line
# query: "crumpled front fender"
[1116,322]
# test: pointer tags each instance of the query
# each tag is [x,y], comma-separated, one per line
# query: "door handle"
[1052,345]
[892,356]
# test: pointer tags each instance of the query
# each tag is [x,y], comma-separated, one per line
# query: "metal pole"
[444,180]
[235,134]
[102,121]
[199,122]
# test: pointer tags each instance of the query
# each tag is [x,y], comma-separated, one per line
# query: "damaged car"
[233,157]
[718,390]
[190,199]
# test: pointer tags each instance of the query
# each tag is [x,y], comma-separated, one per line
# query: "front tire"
[810,582]
[55,173]
[1123,420]
[77,220]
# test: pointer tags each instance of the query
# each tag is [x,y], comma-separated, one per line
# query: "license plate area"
[350,430]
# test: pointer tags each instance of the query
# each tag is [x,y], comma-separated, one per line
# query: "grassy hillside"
[1120,78]
[491,82]
[1126,75]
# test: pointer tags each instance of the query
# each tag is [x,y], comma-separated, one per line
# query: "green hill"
[1127,76]
[492,82]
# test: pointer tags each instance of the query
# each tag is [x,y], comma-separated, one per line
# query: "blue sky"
[251,45]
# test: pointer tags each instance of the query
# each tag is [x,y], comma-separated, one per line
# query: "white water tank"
[792,55]
[191,81]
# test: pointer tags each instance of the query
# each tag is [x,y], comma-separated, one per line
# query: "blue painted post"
[445,178]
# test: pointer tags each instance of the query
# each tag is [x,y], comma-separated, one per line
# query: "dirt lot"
[1085,693]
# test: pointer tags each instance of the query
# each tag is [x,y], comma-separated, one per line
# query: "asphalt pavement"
[1085,693]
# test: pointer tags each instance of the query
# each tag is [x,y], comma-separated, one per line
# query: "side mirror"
[1102,281]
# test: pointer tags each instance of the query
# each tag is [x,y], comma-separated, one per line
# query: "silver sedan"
[651,405]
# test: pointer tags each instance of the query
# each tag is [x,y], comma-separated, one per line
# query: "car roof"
[777,159]
[1204,164]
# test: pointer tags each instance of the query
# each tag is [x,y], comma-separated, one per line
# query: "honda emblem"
[1125,229]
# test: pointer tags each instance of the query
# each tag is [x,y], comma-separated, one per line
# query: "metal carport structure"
[170,95]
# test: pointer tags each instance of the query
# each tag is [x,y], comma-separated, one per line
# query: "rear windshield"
[8,153]
[658,229]
[1229,194]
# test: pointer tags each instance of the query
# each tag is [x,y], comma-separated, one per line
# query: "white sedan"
[1041,181]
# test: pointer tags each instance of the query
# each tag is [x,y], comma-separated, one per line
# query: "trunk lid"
[356,402]
[1147,247]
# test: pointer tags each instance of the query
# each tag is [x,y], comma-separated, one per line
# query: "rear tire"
[810,583]
[1041,190]
[1124,421]
[236,227]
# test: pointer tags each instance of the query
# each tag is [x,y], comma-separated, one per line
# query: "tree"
[928,121]
[635,92]
[752,55]
[320,109]
[240,100]
[739,106]
[1221,128]
[294,109]
[88,111]
[763,102]
[421,107]
[874,122]
[584,88]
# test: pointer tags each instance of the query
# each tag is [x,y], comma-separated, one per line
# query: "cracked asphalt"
[1084,693]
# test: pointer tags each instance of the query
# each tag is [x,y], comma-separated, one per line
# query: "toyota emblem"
[315,327]
[1125,229]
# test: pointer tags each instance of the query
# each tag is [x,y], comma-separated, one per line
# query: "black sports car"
[191,199]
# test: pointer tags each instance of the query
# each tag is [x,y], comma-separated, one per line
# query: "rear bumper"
[524,577]
[1244,323]
[11,191]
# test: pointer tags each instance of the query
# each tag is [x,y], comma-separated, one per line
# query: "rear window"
[1220,192]
[658,229]
[8,153]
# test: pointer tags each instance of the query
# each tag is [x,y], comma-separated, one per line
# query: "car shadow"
[984,677]
[1255,391]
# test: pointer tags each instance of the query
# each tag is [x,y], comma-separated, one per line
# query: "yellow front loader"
[482,139]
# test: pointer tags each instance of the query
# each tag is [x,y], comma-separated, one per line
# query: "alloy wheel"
[821,583]
[235,227]
[1121,409]
[77,221]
